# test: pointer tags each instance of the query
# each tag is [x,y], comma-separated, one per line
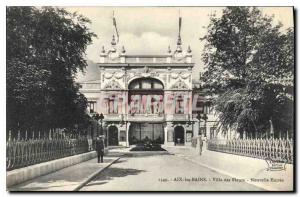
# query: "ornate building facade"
[144,96]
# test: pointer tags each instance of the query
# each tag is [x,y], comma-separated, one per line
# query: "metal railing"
[279,150]
[22,153]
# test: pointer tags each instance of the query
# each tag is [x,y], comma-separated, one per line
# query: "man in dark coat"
[100,148]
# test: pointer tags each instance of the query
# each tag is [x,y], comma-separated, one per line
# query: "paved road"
[162,173]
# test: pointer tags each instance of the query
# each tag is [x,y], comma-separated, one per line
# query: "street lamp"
[101,117]
[204,117]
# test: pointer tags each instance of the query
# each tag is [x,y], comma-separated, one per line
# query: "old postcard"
[150,98]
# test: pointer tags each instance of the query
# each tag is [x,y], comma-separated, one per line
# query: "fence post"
[19,135]
[49,134]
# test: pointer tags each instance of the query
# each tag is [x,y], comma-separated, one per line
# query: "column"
[127,133]
[166,134]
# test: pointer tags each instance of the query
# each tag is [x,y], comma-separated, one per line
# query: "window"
[212,132]
[145,84]
[179,105]
[112,105]
[146,96]
[91,106]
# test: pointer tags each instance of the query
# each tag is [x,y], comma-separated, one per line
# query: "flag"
[180,25]
[115,25]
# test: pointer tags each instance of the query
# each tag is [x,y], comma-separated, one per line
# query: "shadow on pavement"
[145,154]
[111,173]
[97,183]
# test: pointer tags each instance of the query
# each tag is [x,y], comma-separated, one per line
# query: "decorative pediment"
[179,85]
[113,85]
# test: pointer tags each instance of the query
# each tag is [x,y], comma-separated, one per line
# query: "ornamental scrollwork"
[176,75]
[112,85]
[116,75]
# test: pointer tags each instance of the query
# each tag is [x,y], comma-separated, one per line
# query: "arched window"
[145,96]
[146,84]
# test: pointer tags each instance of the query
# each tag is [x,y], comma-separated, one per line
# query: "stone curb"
[21,175]
[92,176]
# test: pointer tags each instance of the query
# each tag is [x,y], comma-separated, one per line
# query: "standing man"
[100,148]
[200,144]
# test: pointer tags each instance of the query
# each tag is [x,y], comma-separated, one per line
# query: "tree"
[45,49]
[249,68]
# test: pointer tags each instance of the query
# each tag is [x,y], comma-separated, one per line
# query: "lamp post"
[204,117]
[101,117]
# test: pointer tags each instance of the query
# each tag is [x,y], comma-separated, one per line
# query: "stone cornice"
[134,65]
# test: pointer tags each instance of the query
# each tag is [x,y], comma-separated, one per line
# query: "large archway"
[179,135]
[113,136]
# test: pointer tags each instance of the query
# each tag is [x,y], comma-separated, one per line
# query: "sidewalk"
[66,179]
[252,170]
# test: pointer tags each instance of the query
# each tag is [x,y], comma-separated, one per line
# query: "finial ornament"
[113,42]
[103,50]
[179,49]
[169,49]
[179,40]
[189,49]
[123,49]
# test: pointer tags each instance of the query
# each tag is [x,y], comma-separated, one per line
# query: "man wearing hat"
[100,148]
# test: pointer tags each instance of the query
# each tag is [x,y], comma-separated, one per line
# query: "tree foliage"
[45,49]
[249,68]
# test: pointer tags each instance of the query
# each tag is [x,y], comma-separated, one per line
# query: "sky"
[150,30]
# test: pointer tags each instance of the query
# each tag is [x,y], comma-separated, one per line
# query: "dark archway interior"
[113,136]
[179,135]
[146,132]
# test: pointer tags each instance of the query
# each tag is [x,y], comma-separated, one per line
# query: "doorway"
[113,136]
[179,135]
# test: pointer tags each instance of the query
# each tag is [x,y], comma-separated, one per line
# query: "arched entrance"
[113,136]
[179,135]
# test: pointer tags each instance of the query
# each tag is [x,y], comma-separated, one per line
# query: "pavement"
[164,172]
[254,171]
[66,179]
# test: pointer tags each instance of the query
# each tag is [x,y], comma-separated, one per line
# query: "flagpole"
[115,25]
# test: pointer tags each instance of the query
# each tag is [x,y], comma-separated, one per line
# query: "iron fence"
[22,153]
[279,150]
